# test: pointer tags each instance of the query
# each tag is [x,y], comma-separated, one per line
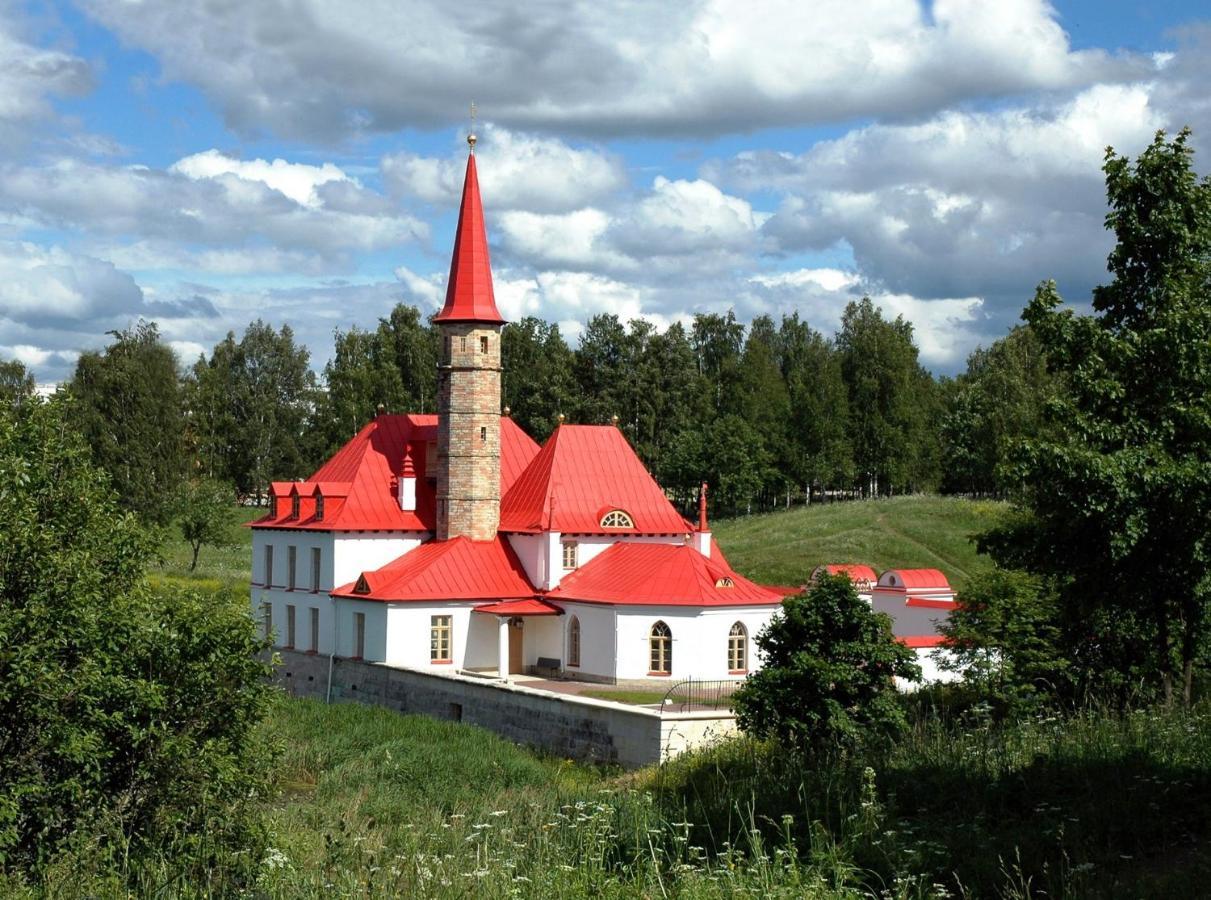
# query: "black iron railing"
[692,695]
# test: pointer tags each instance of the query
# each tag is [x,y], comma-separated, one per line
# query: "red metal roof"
[924,640]
[856,573]
[582,472]
[533,607]
[469,295]
[660,574]
[456,569]
[917,579]
[359,483]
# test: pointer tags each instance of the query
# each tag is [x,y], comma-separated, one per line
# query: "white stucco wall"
[700,639]
[541,555]
[598,639]
[909,621]
[303,598]
[357,552]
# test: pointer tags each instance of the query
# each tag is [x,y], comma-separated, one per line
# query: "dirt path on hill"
[954,567]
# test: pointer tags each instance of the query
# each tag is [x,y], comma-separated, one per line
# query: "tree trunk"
[194,564]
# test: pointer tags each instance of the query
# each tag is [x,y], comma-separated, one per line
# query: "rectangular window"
[462,345]
[359,635]
[292,555]
[483,345]
[315,629]
[569,554]
[267,619]
[290,625]
[294,506]
[483,435]
[315,569]
[440,639]
[319,507]
[268,565]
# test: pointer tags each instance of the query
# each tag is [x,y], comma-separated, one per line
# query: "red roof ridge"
[469,295]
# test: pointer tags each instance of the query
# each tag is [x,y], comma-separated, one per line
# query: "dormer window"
[725,582]
[616,518]
[362,586]
[294,506]
[273,506]
[319,507]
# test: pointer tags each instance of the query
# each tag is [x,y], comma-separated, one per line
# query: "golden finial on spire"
[471,138]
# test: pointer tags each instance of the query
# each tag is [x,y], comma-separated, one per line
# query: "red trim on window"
[573,665]
[441,662]
[660,674]
[737,671]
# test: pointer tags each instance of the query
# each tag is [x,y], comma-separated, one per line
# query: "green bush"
[827,676]
[129,711]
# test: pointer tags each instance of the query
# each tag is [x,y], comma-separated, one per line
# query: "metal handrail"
[693,694]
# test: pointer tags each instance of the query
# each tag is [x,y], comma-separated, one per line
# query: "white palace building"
[453,542]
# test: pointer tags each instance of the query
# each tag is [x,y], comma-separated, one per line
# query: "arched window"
[737,649]
[574,641]
[660,643]
[616,518]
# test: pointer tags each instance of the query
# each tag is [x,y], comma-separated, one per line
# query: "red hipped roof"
[469,296]
[582,473]
[660,574]
[457,569]
[360,482]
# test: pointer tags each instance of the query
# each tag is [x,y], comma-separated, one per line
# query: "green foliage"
[202,515]
[1116,492]
[251,403]
[537,383]
[129,712]
[827,675]
[1007,640]
[998,400]
[16,383]
[130,410]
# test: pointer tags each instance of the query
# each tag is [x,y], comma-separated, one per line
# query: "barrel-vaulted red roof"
[469,296]
[635,574]
[914,580]
[457,569]
[359,483]
[857,573]
[582,473]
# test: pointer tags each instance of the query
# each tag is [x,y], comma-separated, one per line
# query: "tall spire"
[469,295]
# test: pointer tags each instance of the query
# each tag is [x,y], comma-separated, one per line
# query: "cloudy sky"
[204,163]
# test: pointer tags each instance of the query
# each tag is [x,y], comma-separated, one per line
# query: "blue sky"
[204,164]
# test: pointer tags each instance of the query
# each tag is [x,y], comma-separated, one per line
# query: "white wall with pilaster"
[598,639]
[306,594]
[700,639]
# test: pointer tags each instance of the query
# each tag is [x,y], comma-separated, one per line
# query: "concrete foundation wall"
[573,727]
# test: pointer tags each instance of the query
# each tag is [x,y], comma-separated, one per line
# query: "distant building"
[918,601]
[863,577]
[456,541]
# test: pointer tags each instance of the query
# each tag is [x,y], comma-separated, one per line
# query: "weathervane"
[471,138]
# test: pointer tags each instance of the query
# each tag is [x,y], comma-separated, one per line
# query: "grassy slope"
[914,532]
[217,566]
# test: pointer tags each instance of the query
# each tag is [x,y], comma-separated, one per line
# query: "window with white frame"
[315,630]
[267,619]
[359,635]
[292,558]
[737,649]
[441,630]
[570,554]
[574,641]
[290,625]
[316,560]
[319,507]
[294,506]
[616,518]
[268,565]
[660,645]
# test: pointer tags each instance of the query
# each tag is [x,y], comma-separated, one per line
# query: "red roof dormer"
[469,296]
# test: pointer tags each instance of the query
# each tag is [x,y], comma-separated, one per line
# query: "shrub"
[827,677]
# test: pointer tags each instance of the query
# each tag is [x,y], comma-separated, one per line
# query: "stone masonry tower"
[468,381]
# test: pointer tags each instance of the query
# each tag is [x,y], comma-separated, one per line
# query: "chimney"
[407,481]
[703,537]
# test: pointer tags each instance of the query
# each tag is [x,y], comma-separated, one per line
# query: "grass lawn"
[217,566]
[911,532]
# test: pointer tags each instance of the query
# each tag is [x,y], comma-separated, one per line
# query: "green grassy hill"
[904,532]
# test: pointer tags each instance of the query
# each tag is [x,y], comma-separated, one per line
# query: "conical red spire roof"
[469,288]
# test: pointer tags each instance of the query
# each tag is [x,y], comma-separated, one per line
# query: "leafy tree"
[537,381]
[131,412]
[1116,492]
[828,673]
[16,383]
[998,400]
[1007,640]
[252,402]
[761,398]
[737,463]
[129,713]
[819,402]
[203,516]
[603,370]
[879,365]
[718,341]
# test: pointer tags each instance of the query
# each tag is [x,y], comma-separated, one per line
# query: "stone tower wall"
[468,435]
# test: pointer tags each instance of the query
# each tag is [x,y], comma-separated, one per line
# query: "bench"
[547,666]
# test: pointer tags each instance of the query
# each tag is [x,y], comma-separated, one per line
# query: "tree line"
[772,414]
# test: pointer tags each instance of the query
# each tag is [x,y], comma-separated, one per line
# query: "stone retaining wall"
[574,727]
